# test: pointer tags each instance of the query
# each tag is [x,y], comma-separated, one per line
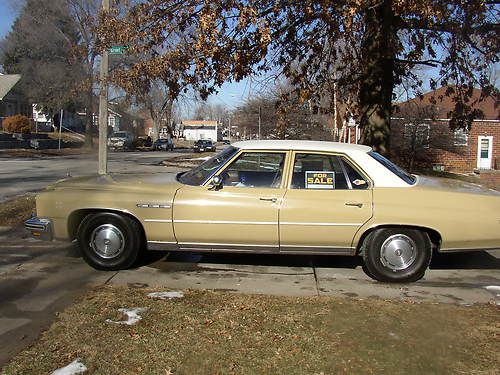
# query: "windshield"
[200,174]
[120,135]
[203,142]
[398,171]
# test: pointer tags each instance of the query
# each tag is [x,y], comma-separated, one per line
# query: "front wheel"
[397,254]
[109,241]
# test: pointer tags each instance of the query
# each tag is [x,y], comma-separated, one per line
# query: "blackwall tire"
[397,255]
[109,241]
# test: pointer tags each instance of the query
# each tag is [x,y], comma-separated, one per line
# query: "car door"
[242,215]
[328,200]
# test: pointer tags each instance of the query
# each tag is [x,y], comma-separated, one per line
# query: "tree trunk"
[375,97]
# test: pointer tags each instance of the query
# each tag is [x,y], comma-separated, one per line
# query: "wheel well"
[434,235]
[76,217]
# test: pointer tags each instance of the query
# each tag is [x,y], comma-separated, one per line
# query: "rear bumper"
[40,228]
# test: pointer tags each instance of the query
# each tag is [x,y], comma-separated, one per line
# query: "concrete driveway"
[39,279]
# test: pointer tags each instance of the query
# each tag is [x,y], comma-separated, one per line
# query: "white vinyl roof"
[301,145]
[380,175]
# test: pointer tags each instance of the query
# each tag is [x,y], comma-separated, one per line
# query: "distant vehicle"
[121,140]
[226,142]
[163,145]
[204,145]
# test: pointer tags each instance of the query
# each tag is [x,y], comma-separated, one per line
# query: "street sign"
[118,50]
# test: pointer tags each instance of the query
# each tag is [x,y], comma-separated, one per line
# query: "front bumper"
[40,228]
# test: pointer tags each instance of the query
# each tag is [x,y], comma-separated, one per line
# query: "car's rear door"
[328,200]
[242,215]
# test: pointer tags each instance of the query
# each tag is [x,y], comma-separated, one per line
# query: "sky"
[229,95]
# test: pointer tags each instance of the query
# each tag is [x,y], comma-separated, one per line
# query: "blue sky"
[7,17]
[230,95]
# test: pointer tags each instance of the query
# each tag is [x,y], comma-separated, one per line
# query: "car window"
[316,171]
[200,174]
[255,169]
[357,181]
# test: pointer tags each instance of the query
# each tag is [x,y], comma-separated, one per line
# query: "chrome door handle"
[355,204]
[269,199]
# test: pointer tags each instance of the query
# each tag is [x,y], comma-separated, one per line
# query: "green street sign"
[118,50]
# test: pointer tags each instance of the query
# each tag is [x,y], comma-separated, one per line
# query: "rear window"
[398,171]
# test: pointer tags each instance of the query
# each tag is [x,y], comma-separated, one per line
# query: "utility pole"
[60,127]
[260,115]
[229,133]
[102,168]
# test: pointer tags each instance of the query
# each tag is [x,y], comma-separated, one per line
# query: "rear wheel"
[109,241]
[397,254]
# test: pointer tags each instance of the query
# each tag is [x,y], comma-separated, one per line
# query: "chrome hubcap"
[398,252]
[107,241]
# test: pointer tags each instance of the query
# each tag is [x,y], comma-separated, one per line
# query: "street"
[22,175]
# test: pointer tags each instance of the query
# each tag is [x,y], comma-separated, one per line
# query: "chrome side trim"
[321,224]
[456,250]
[317,250]
[226,222]
[153,205]
[232,248]
[224,244]
[162,245]
[157,221]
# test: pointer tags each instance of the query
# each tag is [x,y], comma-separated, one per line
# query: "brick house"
[421,127]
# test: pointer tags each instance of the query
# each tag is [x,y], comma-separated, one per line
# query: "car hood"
[120,182]
[449,184]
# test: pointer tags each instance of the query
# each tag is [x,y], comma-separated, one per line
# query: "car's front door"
[240,216]
[328,200]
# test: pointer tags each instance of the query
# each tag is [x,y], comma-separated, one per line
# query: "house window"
[417,134]
[460,137]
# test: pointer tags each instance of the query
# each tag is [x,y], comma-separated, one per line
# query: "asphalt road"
[30,174]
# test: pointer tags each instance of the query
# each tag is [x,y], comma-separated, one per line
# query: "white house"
[194,130]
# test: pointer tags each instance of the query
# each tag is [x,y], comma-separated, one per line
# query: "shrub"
[17,124]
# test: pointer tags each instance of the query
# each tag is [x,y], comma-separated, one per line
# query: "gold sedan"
[286,197]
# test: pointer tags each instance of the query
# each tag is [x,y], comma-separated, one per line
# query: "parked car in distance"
[122,140]
[203,145]
[279,197]
[163,145]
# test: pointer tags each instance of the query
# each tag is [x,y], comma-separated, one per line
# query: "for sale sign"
[320,180]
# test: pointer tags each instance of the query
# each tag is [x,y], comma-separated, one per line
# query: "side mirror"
[216,183]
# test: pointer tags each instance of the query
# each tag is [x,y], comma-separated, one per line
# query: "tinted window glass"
[398,171]
[314,171]
[255,169]
[200,174]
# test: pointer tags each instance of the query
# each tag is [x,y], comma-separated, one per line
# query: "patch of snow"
[166,295]
[203,158]
[75,367]
[494,289]
[132,316]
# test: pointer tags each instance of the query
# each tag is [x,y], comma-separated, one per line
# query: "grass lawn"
[222,333]
[14,211]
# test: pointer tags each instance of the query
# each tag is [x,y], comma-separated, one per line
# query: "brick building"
[420,133]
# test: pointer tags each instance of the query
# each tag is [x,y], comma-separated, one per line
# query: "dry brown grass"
[14,211]
[221,333]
